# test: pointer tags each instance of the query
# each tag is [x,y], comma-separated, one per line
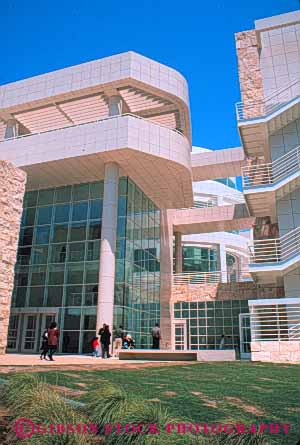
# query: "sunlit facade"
[58,265]
[124,222]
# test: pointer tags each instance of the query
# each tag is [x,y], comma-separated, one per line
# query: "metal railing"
[276,250]
[270,104]
[257,175]
[278,321]
[197,277]
[294,332]
[215,201]
[94,122]
[211,202]
[219,276]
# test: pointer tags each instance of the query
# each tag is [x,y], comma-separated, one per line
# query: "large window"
[208,321]
[59,253]
[199,259]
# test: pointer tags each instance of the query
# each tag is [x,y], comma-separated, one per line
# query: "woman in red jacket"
[53,336]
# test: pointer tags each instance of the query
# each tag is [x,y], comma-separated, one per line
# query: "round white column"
[11,130]
[105,307]
[115,105]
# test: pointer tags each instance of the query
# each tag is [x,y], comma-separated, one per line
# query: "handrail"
[93,122]
[294,331]
[208,277]
[276,250]
[256,175]
[269,104]
[213,201]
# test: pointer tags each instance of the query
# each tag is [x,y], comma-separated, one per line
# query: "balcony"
[156,157]
[275,256]
[279,100]
[277,178]
[218,285]
[194,278]
[259,119]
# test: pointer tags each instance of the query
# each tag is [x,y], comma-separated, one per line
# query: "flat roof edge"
[277,21]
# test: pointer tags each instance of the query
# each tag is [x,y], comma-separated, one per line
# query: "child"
[96,345]
[44,346]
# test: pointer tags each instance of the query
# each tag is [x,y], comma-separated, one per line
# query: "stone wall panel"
[12,188]
[251,82]
[224,291]
[275,351]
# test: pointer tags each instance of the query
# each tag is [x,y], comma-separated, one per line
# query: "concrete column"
[11,130]
[115,105]
[105,305]
[223,263]
[178,252]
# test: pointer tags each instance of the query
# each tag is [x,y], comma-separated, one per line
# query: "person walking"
[105,341]
[53,336]
[44,346]
[156,337]
[118,340]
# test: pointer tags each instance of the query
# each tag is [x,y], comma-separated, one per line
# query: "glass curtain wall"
[198,259]
[58,260]
[138,263]
[208,321]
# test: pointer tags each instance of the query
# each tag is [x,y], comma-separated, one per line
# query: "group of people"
[49,342]
[121,340]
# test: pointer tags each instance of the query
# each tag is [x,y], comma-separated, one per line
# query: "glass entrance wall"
[208,321]
[58,261]
[138,263]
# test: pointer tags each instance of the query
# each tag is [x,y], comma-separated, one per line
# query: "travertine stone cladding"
[251,81]
[12,188]
[224,291]
[275,351]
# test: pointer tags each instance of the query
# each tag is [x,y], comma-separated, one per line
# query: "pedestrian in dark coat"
[105,341]
[44,346]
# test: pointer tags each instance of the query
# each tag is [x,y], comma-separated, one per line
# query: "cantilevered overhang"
[161,90]
[211,219]
[155,157]
[268,272]
[255,132]
[217,164]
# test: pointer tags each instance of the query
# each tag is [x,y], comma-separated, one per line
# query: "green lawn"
[239,392]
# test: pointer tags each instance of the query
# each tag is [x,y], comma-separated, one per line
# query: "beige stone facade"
[251,82]
[12,188]
[224,291]
[275,351]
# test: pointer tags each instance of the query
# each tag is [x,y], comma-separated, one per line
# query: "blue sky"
[195,37]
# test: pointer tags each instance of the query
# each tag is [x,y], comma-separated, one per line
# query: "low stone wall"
[12,188]
[224,291]
[226,355]
[275,351]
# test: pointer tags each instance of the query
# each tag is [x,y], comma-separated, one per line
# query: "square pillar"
[222,263]
[178,252]
[166,277]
